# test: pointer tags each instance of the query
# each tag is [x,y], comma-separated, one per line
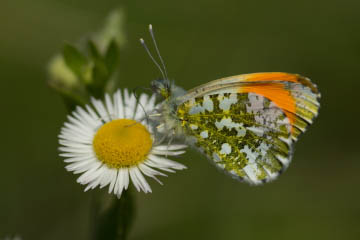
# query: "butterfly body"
[245,124]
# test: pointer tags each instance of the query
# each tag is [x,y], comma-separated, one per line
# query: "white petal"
[142,181]
[170,147]
[113,180]
[75,139]
[89,167]
[119,185]
[80,118]
[89,176]
[167,153]
[106,177]
[93,122]
[69,143]
[156,165]
[77,159]
[75,129]
[119,106]
[100,108]
[110,107]
[165,163]
[85,149]
[134,179]
[79,124]
[101,178]
[74,154]
[167,170]
[130,105]
[148,171]
[140,110]
[125,176]
[74,134]
[93,113]
[80,165]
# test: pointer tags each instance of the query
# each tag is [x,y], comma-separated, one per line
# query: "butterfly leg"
[163,137]
[171,138]
[155,115]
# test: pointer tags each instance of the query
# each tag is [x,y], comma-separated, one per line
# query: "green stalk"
[112,217]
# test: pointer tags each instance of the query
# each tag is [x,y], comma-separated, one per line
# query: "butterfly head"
[161,87]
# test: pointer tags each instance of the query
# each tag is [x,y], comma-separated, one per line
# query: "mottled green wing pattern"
[245,134]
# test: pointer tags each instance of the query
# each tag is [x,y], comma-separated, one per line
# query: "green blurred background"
[316,198]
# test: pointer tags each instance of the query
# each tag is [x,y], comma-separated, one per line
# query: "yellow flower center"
[122,143]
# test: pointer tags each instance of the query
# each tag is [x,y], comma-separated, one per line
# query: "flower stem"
[112,217]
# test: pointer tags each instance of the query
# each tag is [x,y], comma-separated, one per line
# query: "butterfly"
[246,124]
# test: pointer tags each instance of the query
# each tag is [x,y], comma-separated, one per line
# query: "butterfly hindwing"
[245,134]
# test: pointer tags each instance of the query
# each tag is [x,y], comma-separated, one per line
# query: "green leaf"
[112,56]
[100,76]
[75,60]
[93,50]
[100,73]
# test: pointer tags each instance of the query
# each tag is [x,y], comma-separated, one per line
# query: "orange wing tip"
[281,76]
[302,104]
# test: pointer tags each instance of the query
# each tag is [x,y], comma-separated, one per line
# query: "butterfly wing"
[247,124]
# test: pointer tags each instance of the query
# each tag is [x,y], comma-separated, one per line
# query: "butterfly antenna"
[152,58]
[138,100]
[157,50]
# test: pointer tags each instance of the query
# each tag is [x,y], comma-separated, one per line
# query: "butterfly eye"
[154,87]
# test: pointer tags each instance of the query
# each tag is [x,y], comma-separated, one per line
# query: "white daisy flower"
[114,143]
